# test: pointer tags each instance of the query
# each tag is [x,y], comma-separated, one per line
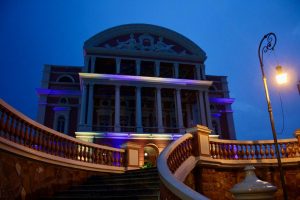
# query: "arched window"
[60,126]
[63,101]
[65,79]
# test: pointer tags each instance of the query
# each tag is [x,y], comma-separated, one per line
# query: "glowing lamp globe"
[281,77]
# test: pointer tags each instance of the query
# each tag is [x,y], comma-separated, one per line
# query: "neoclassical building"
[140,83]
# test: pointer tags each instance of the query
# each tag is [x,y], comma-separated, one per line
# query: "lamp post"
[270,39]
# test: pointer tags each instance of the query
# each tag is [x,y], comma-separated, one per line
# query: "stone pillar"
[159,111]
[90,107]
[198,72]
[202,108]
[201,140]
[131,155]
[86,63]
[93,62]
[138,108]
[176,70]
[83,105]
[138,67]
[157,68]
[179,111]
[207,108]
[117,108]
[118,65]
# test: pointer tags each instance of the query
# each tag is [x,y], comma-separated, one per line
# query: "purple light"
[61,108]
[43,91]
[216,115]
[113,77]
[221,100]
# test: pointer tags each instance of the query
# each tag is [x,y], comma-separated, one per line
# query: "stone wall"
[24,178]
[215,182]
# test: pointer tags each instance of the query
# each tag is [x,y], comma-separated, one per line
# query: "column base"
[161,130]
[117,128]
[139,129]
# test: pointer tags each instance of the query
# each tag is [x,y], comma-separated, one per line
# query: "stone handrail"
[169,162]
[245,150]
[22,134]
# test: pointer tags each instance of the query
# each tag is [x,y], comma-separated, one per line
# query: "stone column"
[207,108]
[117,108]
[93,62]
[179,111]
[157,68]
[198,72]
[138,67]
[176,70]
[86,63]
[159,111]
[138,108]
[90,107]
[202,108]
[83,104]
[118,65]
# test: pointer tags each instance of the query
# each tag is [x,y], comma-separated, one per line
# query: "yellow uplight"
[281,77]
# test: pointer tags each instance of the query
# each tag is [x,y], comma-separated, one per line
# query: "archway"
[150,155]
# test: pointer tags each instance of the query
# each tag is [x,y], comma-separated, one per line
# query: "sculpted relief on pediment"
[145,42]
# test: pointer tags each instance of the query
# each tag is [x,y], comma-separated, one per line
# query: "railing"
[181,156]
[243,150]
[21,132]
[177,155]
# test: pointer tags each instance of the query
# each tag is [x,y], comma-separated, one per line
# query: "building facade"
[140,83]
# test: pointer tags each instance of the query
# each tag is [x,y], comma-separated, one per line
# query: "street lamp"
[270,39]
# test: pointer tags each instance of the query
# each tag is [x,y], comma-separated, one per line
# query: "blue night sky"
[34,33]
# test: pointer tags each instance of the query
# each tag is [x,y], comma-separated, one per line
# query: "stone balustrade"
[243,150]
[19,131]
[178,160]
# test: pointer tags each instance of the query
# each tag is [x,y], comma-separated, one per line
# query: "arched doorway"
[150,155]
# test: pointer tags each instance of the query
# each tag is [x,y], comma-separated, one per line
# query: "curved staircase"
[140,184]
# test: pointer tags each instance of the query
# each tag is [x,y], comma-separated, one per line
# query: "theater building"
[140,83]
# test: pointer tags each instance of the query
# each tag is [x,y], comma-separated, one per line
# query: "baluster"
[1,120]
[27,135]
[243,152]
[283,152]
[267,150]
[31,133]
[288,150]
[211,150]
[12,129]
[17,131]
[101,156]
[247,151]
[232,151]
[94,157]
[272,151]
[6,126]
[89,156]
[294,150]
[36,139]
[256,151]
[220,150]
[262,153]
[252,151]
[59,149]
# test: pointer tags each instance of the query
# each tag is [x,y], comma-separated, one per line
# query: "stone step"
[122,180]
[111,197]
[112,191]
[136,184]
[149,184]
[126,175]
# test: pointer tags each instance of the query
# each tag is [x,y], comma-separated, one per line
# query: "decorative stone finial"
[252,187]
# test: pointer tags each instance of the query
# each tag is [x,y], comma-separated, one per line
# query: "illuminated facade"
[140,83]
